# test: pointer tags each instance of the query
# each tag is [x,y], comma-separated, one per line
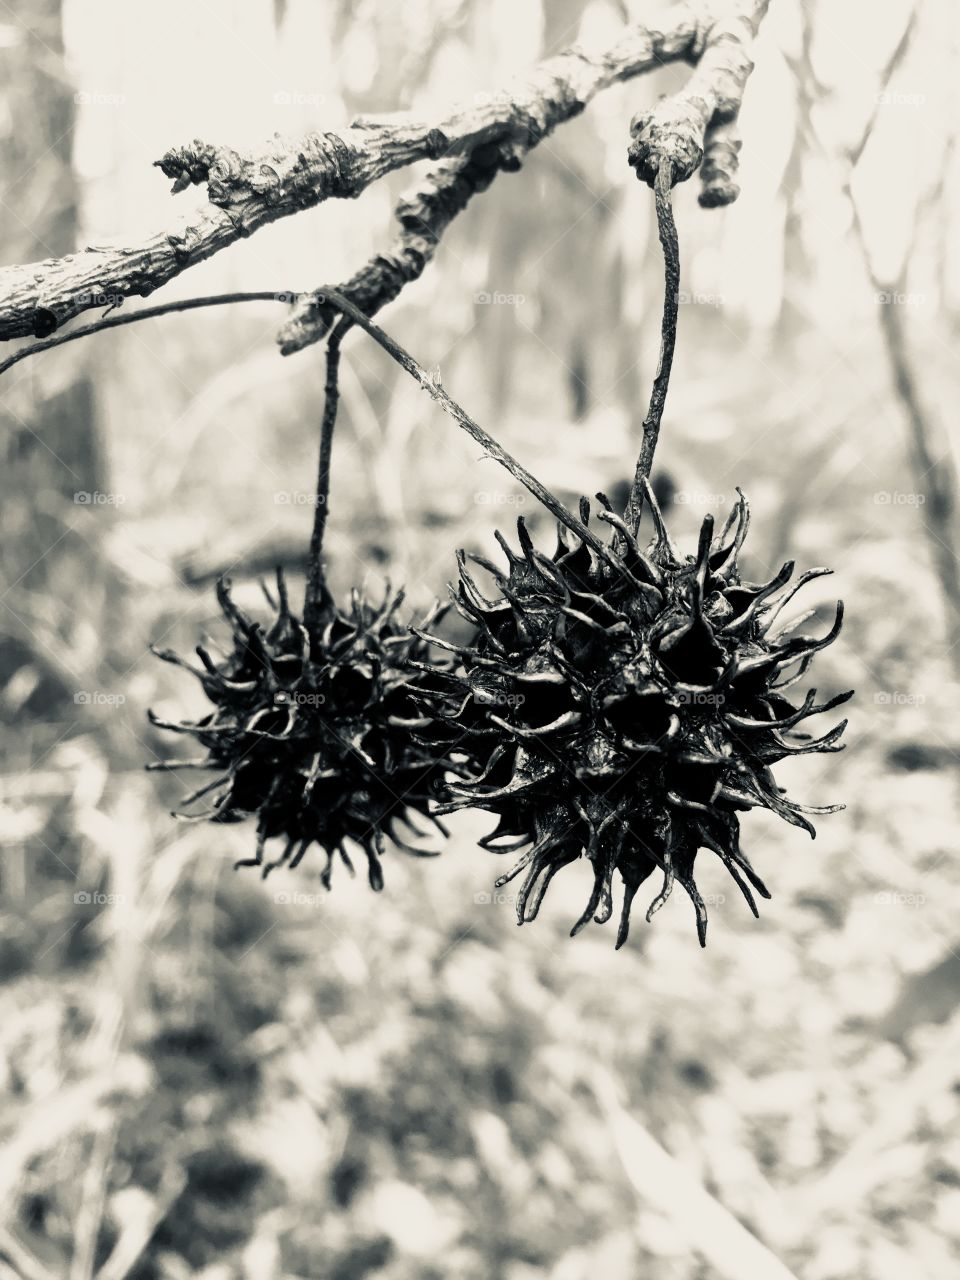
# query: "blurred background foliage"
[204,1075]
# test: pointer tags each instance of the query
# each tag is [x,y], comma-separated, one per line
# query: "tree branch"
[424,214]
[145,313]
[702,117]
[701,121]
[247,191]
[933,469]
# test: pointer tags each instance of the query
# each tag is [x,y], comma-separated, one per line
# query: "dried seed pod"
[626,707]
[311,733]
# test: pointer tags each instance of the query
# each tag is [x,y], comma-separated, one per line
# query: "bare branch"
[933,467]
[248,191]
[681,127]
[707,107]
[424,214]
[721,160]
[145,313]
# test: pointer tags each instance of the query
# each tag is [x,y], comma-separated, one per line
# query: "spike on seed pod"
[310,734]
[626,707]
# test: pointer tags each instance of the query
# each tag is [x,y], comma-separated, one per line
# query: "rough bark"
[702,117]
[424,214]
[247,191]
[698,123]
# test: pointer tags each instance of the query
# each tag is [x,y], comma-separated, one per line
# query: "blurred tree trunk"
[551,241]
[50,449]
[50,438]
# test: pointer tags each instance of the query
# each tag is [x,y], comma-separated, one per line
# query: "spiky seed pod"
[311,733]
[627,707]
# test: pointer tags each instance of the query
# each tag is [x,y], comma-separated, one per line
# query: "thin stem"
[163,308]
[492,447]
[667,229]
[316,585]
[356,316]
[402,357]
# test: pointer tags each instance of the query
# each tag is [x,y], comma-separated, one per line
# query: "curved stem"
[316,591]
[162,309]
[667,229]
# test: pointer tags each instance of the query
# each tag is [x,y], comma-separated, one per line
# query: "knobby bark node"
[698,125]
[721,152]
[424,214]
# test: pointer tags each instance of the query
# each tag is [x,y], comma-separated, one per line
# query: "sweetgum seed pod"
[626,707]
[311,734]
